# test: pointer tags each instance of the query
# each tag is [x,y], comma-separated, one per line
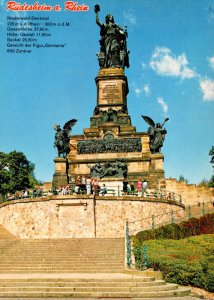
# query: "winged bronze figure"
[157,134]
[62,137]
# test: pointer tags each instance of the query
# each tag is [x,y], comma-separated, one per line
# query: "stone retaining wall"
[190,193]
[83,216]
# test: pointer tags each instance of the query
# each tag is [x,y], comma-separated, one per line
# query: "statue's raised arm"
[97,9]
[113,47]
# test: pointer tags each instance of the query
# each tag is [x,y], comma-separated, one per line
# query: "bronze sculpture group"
[109,145]
[109,169]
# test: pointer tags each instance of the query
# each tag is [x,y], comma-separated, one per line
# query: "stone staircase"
[118,286]
[62,256]
[75,268]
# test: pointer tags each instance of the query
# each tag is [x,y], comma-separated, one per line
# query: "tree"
[211,153]
[4,174]
[181,178]
[211,181]
[203,182]
[16,172]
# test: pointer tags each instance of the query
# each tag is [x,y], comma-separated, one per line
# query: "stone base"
[59,180]
[60,177]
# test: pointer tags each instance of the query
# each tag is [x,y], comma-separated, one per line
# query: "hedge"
[203,225]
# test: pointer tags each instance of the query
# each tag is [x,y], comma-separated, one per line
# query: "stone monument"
[111,149]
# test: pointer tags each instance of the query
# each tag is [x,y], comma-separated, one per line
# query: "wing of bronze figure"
[149,121]
[68,125]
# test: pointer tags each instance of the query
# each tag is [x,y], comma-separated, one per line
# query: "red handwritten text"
[15,6]
[70,5]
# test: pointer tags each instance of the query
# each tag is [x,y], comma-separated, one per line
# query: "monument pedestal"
[60,177]
[111,143]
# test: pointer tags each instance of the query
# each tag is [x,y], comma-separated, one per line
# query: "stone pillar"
[156,169]
[60,176]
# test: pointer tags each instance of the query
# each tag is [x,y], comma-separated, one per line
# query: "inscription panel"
[110,91]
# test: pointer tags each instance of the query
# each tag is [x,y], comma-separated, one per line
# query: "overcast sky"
[171,71]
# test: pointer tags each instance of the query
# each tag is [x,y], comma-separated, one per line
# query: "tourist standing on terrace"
[139,187]
[88,185]
[144,186]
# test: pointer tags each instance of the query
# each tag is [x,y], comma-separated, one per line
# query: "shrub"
[187,261]
[210,281]
[207,224]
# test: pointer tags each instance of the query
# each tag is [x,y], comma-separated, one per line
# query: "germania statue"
[113,47]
